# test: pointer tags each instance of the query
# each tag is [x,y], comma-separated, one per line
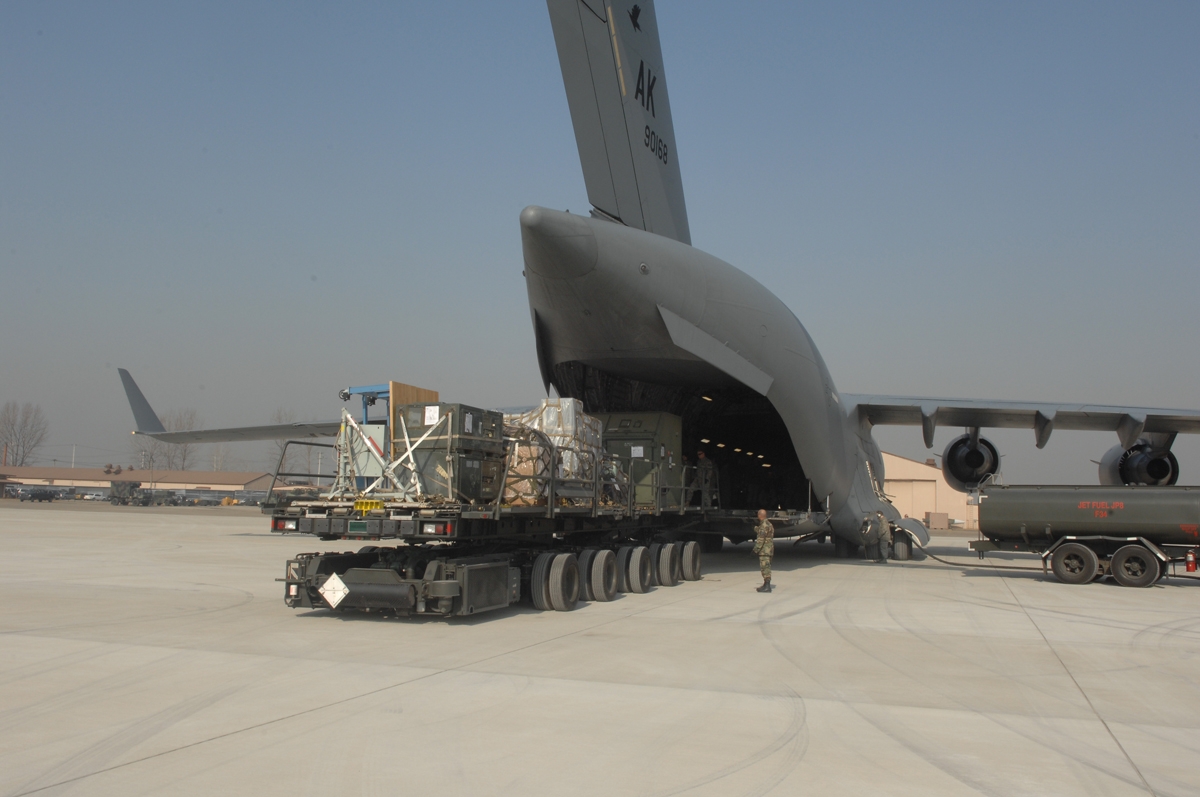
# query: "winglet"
[143,415]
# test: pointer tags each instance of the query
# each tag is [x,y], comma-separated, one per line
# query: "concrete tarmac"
[151,653]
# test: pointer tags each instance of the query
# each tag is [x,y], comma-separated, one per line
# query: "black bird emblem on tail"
[634,13]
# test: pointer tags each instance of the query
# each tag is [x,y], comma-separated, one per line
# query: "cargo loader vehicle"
[468,510]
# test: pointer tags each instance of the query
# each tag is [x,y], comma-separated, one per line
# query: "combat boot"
[766,587]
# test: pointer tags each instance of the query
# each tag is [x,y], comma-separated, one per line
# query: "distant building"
[917,489]
[95,479]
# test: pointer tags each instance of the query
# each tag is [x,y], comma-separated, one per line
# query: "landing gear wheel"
[1074,563]
[539,581]
[901,548]
[587,558]
[623,554]
[564,582]
[711,543]
[842,549]
[639,570]
[875,551]
[668,564]
[1135,566]
[691,561]
[604,576]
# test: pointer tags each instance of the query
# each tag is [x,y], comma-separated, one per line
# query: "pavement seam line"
[1071,675]
[218,737]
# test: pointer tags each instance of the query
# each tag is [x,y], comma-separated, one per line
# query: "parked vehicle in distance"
[128,493]
[39,495]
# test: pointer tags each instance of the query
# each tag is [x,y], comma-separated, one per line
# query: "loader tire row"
[560,580]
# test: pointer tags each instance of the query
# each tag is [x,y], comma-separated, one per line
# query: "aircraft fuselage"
[602,294]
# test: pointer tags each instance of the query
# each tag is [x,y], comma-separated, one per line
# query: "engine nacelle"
[967,464]
[1140,464]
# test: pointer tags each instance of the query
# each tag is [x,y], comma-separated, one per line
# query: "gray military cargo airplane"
[629,317]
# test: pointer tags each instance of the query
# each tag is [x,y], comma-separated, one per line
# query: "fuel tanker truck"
[1132,533]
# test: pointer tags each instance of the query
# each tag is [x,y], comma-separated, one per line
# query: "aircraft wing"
[149,424]
[293,431]
[1129,423]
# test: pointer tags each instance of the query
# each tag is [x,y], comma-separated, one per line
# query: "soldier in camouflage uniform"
[764,546]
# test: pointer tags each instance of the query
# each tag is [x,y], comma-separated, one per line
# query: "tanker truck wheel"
[1135,566]
[1075,564]
[901,548]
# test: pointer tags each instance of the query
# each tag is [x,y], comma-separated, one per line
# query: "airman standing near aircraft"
[704,480]
[764,546]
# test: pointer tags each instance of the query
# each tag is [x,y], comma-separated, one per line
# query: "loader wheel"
[677,560]
[587,560]
[655,558]
[901,548]
[668,563]
[623,554]
[691,561]
[564,582]
[539,581]
[639,570]
[604,575]
[1135,566]
[1075,564]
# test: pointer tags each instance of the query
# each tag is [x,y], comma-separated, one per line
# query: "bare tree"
[23,429]
[148,453]
[220,455]
[179,455]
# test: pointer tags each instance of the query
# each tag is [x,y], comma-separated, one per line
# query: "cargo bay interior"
[736,427]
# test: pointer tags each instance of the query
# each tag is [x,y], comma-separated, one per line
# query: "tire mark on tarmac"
[247,597]
[83,763]
[1052,743]
[1092,706]
[315,709]
[933,757]
[795,734]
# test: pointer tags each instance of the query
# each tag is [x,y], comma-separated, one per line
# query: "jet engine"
[1140,464]
[968,461]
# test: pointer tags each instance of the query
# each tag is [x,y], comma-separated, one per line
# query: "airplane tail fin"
[143,415]
[612,68]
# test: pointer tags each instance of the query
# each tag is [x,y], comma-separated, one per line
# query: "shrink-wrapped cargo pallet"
[578,437]
[528,469]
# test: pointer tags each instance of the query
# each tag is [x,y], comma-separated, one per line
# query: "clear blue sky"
[250,205]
